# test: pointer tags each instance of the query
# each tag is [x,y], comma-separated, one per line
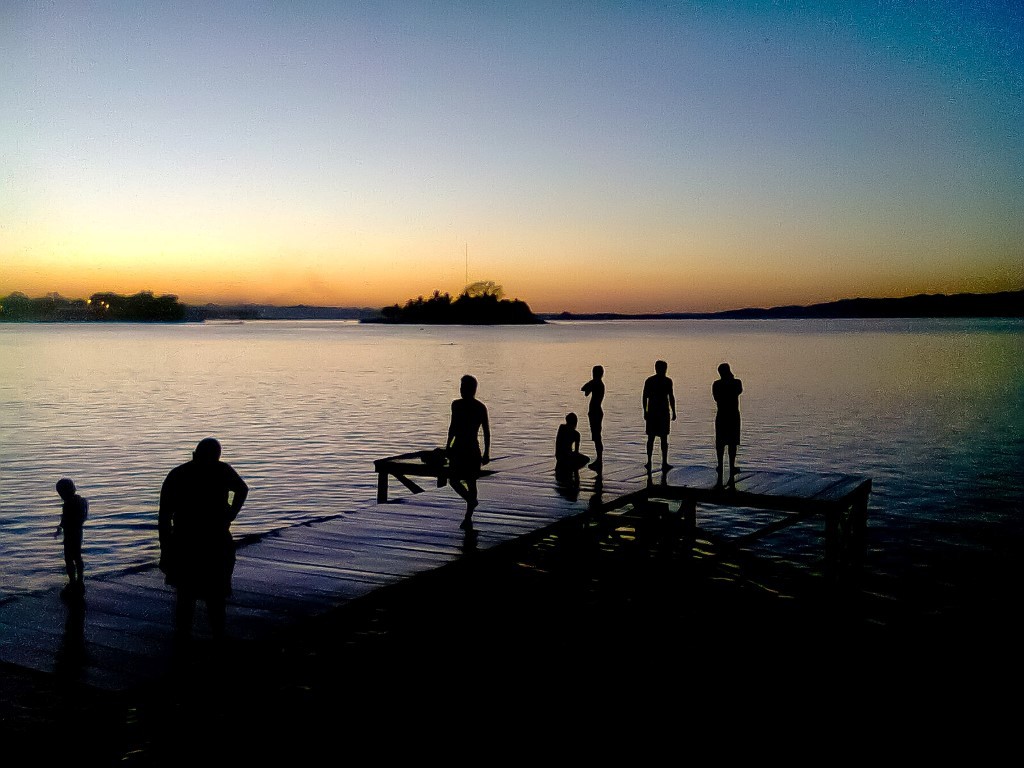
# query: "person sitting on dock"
[198,502]
[469,416]
[73,512]
[594,389]
[726,392]
[568,459]
[658,402]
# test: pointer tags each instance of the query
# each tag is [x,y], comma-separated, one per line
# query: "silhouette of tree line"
[101,307]
[480,303]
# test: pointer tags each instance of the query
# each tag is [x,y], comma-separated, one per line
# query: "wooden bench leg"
[382,487]
[688,510]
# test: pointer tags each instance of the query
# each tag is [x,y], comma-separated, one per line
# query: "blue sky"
[620,156]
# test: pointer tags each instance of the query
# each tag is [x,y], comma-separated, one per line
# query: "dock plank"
[125,635]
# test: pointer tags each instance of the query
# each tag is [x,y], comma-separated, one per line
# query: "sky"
[586,156]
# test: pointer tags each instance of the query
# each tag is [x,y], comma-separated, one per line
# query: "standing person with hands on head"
[727,391]
[658,401]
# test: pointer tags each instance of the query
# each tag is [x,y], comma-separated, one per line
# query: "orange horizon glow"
[627,158]
[622,293]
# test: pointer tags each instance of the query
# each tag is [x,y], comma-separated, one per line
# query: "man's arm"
[451,429]
[241,491]
[487,436]
[165,518]
[672,399]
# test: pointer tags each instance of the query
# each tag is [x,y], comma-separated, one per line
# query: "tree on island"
[480,303]
[142,307]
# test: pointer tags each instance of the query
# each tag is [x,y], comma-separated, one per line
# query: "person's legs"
[720,450]
[459,488]
[664,453]
[184,612]
[733,471]
[80,571]
[73,565]
[469,493]
[216,610]
[595,435]
[650,450]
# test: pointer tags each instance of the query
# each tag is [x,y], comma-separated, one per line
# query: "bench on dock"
[428,463]
[841,499]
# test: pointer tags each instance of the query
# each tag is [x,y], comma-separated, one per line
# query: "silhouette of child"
[72,519]
[568,458]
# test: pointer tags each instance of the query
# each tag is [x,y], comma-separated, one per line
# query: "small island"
[480,303]
[142,307]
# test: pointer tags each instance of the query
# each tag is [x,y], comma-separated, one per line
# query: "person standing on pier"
[659,401]
[594,389]
[198,502]
[73,512]
[726,392]
[469,416]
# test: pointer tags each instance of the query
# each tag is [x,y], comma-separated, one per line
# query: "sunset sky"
[626,156]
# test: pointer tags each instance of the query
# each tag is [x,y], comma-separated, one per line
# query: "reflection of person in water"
[73,512]
[727,391]
[659,401]
[469,416]
[568,459]
[594,389]
[198,502]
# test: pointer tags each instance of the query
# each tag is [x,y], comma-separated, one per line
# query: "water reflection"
[71,657]
[930,409]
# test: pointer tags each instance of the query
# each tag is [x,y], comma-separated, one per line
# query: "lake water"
[931,410]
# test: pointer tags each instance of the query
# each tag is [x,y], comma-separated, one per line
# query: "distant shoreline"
[1004,304]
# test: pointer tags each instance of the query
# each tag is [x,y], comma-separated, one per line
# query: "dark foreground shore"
[548,643]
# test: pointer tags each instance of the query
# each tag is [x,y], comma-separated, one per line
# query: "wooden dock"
[124,635]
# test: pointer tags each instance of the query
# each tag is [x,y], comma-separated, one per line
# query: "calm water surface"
[931,410]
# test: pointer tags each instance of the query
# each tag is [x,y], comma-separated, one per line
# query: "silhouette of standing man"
[658,401]
[469,416]
[595,413]
[198,502]
[727,391]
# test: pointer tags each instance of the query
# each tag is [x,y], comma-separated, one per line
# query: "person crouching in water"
[568,459]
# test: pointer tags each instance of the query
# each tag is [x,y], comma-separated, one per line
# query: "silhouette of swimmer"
[568,459]
[73,513]
[727,391]
[594,389]
[198,502]
[469,416]
[658,401]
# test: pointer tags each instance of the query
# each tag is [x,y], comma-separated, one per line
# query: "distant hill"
[1003,304]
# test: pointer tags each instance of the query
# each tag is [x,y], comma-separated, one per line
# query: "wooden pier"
[124,635]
